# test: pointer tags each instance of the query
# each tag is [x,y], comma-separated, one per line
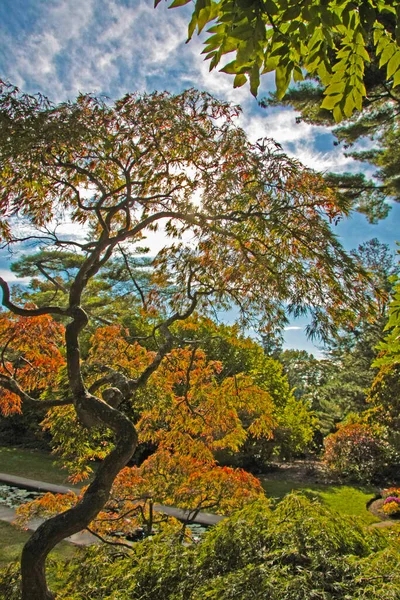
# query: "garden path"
[85,538]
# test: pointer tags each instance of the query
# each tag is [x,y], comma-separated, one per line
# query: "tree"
[334,40]
[353,350]
[338,384]
[242,355]
[244,224]
[305,373]
[384,393]
[375,121]
[108,296]
[390,346]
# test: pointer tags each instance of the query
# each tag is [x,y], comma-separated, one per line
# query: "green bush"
[299,551]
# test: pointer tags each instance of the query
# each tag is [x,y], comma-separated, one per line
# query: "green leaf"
[316,37]
[282,80]
[200,5]
[270,64]
[396,79]
[239,80]
[331,101]
[393,64]
[298,74]
[336,88]
[228,45]
[192,26]
[324,74]
[217,29]
[359,84]
[203,18]
[215,38]
[382,43]
[361,51]
[254,80]
[358,97]
[231,68]
[326,17]
[176,3]
[387,54]
[242,32]
[349,104]
[337,114]
[292,13]
[378,32]
[214,61]
[245,52]
[344,52]
[270,7]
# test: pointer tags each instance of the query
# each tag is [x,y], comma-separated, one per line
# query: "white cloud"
[114,48]
[293,328]
[10,277]
[279,125]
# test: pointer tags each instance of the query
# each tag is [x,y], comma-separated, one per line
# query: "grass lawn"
[346,499]
[12,540]
[32,464]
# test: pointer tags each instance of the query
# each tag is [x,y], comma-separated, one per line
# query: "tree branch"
[137,286]
[28,312]
[166,347]
[12,386]
[102,539]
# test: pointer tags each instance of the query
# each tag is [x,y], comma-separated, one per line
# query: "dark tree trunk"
[54,530]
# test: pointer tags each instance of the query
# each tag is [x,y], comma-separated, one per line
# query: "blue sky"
[63,47]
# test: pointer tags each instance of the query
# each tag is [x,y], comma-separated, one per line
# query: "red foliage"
[356,450]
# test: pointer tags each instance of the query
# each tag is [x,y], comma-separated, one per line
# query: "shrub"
[300,550]
[392,491]
[357,451]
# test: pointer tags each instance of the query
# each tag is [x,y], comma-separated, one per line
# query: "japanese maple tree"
[243,224]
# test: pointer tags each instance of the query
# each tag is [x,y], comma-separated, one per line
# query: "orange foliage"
[164,478]
[30,355]
[196,414]
[185,407]
[44,507]
[187,482]
[110,346]
[189,413]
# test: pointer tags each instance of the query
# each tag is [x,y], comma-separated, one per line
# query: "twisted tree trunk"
[54,530]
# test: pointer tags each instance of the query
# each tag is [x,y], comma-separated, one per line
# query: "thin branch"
[166,347]
[137,286]
[85,172]
[56,283]
[102,539]
[12,386]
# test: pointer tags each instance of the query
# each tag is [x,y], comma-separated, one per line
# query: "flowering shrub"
[393,491]
[391,503]
[392,508]
[356,450]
